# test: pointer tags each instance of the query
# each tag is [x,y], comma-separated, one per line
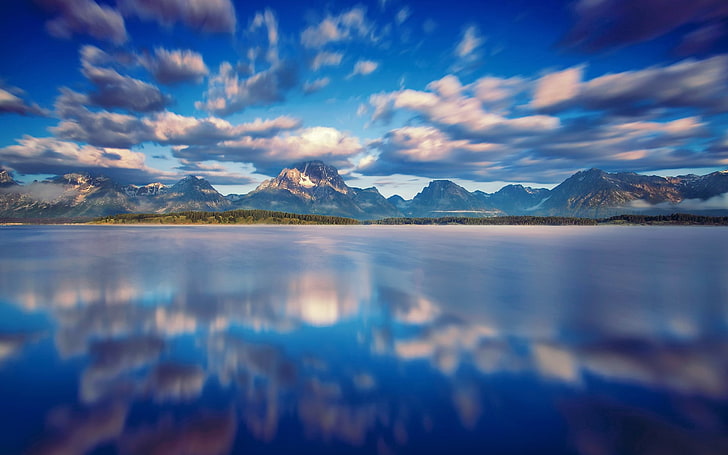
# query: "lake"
[363,339]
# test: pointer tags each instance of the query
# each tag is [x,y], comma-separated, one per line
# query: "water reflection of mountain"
[220,339]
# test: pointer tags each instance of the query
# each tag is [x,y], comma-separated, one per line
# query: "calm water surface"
[371,340]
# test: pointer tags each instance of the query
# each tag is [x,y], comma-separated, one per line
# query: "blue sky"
[394,93]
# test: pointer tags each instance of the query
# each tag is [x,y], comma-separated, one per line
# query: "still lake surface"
[363,339]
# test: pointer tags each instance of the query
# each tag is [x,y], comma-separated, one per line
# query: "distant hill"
[316,188]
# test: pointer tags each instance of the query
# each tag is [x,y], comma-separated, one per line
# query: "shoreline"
[272,218]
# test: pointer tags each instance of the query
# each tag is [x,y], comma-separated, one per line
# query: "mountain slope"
[595,193]
[313,187]
[191,193]
[517,199]
[445,198]
[6,180]
[83,195]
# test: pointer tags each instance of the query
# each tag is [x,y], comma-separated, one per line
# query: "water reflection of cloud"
[320,299]
[112,362]
[698,367]
[229,356]
[78,432]
[11,344]
[176,382]
[246,323]
[444,342]
[602,427]
[205,434]
[467,402]
[329,420]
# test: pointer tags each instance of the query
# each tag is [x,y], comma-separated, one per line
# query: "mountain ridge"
[313,187]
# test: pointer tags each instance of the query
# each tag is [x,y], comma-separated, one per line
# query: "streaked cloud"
[48,155]
[363,68]
[85,17]
[205,15]
[109,129]
[557,87]
[10,103]
[345,26]
[609,24]
[175,66]
[470,42]
[325,58]
[270,155]
[403,14]
[228,92]
[114,90]
[170,128]
[449,107]
[315,85]
[267,20]
[468,51]
[701,84]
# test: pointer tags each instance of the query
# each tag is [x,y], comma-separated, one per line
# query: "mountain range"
[314,187]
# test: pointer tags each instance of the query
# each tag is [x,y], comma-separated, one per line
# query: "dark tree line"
[271,217]
[675,218]
[228,217]
[494,221]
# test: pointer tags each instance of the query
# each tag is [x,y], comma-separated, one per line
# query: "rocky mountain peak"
[443,197]
[191,183]
[193,188]
[304,178]
[6,179]
[150,189]
[442,188]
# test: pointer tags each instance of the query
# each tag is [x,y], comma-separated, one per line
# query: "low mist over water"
[364,339]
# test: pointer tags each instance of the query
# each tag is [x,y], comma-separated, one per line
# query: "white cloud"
[325,58]
[555,88]
[205,15]
[453,107]
[171,128]
[343,27]
[498,93]
[470,42]
[316,85]
[13,104]
[227,93]
[270,154]
[701,84]
[402,15]
[110,129]
[469,132]
[635,21]
[86,17]
[47,155]
[267,19]
[103,128]
[175,66]
[447,87]
[364,67]
[114,90]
